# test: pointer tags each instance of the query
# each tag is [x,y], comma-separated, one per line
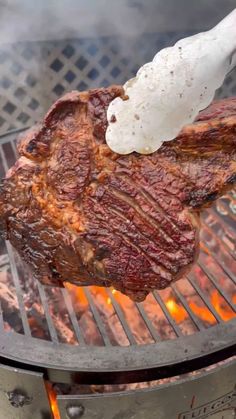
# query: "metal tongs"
[169,92]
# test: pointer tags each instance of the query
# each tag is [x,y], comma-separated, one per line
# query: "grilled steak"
[77,212]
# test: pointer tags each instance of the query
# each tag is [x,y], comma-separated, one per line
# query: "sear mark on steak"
[77,212]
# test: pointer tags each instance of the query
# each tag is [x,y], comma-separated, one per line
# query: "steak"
[75,211]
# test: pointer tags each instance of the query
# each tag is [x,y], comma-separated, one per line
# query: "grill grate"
[204,302]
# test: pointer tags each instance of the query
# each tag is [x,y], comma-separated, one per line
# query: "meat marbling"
[77,212]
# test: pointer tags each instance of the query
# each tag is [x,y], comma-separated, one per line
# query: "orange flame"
[99,291]
[176,310]
[80,297]
[77,292]
[222,309]
[108,299]
[202,312]
[53,401]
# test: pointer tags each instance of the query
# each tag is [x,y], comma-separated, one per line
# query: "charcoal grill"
[108,362]
[183,347]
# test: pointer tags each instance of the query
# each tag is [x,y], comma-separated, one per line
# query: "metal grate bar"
[222,265]
[97,317]
[184,303]
[1,319]
[214,282]
[7,137]
[16,280]
[221,242]
[224,268]
[4,161]
[224,205]
[121,317]
[14,148]
[204,299]
[73,317]
[148,322]
[51,327]
[167,314]
[221,219]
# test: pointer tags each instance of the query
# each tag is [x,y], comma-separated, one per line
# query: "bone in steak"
[77,212]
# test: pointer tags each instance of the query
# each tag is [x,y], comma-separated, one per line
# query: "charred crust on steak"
[75,211]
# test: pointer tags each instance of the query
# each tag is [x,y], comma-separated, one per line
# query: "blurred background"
[48,48]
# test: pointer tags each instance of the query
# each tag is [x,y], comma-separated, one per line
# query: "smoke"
[61,19]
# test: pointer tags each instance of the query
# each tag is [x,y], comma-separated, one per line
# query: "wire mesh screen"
[34,74]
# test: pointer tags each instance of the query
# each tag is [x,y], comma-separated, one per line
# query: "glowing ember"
[108,299]
[77,293]
[175,308]
[224,311]
[93,302]
[203,313]
[53,401]
[99,291]
[177,311]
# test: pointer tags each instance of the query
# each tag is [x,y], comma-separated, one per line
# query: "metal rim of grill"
[116,364]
